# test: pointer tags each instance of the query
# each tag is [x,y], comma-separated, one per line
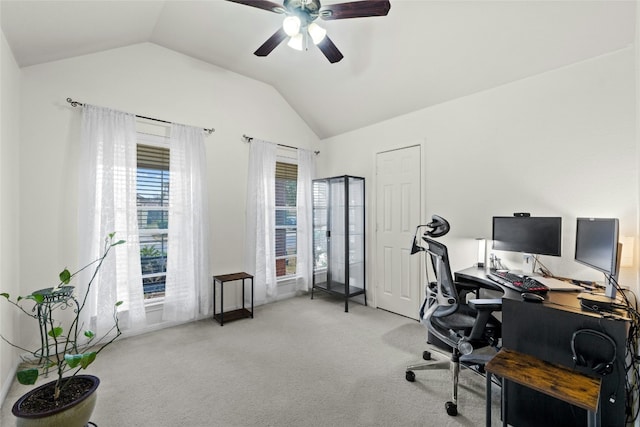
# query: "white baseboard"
[6,384]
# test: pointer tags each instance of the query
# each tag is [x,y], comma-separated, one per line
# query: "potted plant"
[65,347]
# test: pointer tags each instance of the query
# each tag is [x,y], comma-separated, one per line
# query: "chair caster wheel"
[410,376]
[452,408]
[426,355]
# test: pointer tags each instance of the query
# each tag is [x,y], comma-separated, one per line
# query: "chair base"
[452,361]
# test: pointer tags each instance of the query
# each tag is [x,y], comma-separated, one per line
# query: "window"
[153,215]
[286,219]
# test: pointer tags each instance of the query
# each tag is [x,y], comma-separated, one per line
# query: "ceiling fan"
[299,24]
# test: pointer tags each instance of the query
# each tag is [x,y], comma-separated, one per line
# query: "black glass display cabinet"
[338,237]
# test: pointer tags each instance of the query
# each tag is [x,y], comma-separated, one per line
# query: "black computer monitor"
[597,244]
[528,234]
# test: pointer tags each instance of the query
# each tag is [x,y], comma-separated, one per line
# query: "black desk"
[565,300]
[545,331]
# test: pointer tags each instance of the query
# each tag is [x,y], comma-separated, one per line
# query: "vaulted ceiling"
[423,53]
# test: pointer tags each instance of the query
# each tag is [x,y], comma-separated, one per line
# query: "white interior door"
[398,205]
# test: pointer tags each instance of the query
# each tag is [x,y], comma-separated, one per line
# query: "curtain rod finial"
[73,103]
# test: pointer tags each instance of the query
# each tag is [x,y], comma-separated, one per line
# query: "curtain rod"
[76,103]
[246,138]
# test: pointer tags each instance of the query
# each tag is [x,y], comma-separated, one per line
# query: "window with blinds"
[153,216]
[286,219]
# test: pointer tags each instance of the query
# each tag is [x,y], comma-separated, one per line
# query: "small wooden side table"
[240,313]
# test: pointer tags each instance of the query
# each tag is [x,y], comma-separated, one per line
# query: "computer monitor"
[597,247]
[528,234]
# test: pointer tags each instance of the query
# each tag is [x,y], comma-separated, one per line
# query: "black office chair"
[453,324]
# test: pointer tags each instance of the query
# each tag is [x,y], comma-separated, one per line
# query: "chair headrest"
[438,227]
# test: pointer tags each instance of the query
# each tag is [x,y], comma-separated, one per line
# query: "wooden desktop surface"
[564,300]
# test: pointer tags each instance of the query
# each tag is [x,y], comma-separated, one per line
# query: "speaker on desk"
[585,346]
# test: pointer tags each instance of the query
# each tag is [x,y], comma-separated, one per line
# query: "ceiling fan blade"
[355,9]
[271,43]
[262,4]
[330,50]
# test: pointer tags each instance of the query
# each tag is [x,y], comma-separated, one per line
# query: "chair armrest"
[465,288]
[492,304]
[484,309]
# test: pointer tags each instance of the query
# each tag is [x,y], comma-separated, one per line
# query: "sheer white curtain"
[260,221]
[107,203]
[304,264]
[188,284]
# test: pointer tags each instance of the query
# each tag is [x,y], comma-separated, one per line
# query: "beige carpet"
[299,362]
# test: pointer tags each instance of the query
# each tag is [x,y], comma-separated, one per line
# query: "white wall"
[9,207]
[148,80]
[561,143]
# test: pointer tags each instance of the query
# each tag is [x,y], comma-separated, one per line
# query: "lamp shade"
[291,25]
[316,32]
[296,42]
[482,250]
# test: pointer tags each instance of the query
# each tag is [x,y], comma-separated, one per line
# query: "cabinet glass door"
[356,233]
[320,230]
[337,262]
[338,236]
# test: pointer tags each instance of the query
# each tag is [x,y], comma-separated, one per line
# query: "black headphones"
[598,365]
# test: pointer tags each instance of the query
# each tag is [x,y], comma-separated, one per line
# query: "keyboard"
[517,283]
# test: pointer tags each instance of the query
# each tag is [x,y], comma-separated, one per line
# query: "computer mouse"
[531,297]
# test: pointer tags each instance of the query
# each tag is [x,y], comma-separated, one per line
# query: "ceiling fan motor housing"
[307,10]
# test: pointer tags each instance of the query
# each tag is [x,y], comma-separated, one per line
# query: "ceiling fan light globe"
[296,42]
[291,25]
[316,32]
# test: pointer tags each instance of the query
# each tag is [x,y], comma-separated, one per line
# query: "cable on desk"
[543,268]
[632,360]
[632,370]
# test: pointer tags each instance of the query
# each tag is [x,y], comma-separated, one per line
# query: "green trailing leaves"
[55,332]
[38,298]
[83,360]
[27,376]
[73,360]
[87,359]
[65,276]
[64,334]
